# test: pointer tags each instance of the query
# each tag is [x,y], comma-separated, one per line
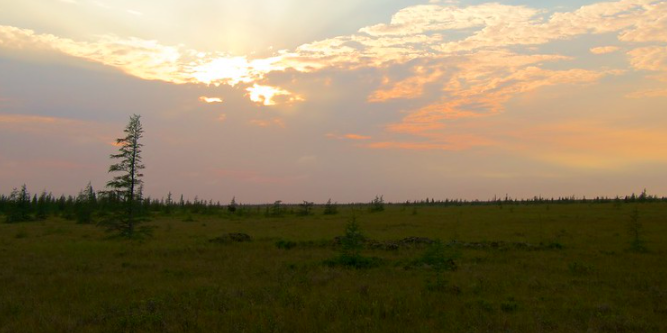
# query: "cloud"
[74,131]
[456,62]
[416,32]
[647,93]
[604,49]
[589,144]
[356,137]
[448,142]
[651,58]
[481,83]
[210,99]
[267,95]
[651,28]
[412,87]
[277,122]
[349,136]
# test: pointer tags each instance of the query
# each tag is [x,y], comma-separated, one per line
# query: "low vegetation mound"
[233,237]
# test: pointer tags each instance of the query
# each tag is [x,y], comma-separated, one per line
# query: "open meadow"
[505,268]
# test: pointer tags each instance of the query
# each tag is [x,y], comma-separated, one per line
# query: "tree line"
[121,207]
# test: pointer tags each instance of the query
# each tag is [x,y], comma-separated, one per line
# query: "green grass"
[57,276]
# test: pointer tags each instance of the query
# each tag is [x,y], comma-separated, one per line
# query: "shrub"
[377,205]
[285,244]
[510,305]
[350,251]
[330,209]
[637,243]
[439,257]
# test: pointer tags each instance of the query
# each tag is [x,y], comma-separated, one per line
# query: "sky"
[294,100]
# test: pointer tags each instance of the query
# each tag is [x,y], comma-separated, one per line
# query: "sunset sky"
[309,100]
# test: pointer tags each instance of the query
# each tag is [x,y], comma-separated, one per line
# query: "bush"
[377,205]
[439,257]
[285,244]
[351,245]
[330,209]
[637,243]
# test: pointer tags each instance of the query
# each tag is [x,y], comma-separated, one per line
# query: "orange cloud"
[589,144]
[411,87]
[450,142]
[268,123]
[652,58]
[357,137]
[348,136]
[482,86]
[647,93]
[75,131]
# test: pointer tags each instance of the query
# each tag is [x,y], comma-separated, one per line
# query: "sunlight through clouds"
[267,95]
[210,100]
[456,61]
[431,88]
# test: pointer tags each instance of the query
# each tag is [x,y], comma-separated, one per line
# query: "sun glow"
[266,95]
[230,71]
[210,99]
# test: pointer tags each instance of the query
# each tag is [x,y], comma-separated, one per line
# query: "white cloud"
[267,95]
[464,48]
[210,100]
[604,49]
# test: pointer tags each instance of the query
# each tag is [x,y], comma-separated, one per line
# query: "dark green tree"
[19,206]
[330,209]
[232,205]
[377,205]
[305,208]
[85,205]
[168,204]
[127,184]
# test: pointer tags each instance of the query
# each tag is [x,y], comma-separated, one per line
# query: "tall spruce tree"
[126,186]
[19,206]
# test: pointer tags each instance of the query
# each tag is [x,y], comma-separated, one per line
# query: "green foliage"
[578,268]
[353,241]
[437,284]
[351,245]
[305,208]
[127,186]
[438,257]
[19,206]
[180,282]
[637,243]
[377,205]
[285,244]
[121,226]
[232,206]
[330,208]
[85,205]
[276,210]
[509,305]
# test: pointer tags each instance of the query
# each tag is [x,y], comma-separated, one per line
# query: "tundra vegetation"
[539,265]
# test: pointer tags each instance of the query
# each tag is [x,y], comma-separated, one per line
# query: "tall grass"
[59,276]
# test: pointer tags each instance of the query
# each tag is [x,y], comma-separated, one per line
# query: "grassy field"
[520,268]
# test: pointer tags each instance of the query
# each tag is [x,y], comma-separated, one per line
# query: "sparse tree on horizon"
[126,186]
